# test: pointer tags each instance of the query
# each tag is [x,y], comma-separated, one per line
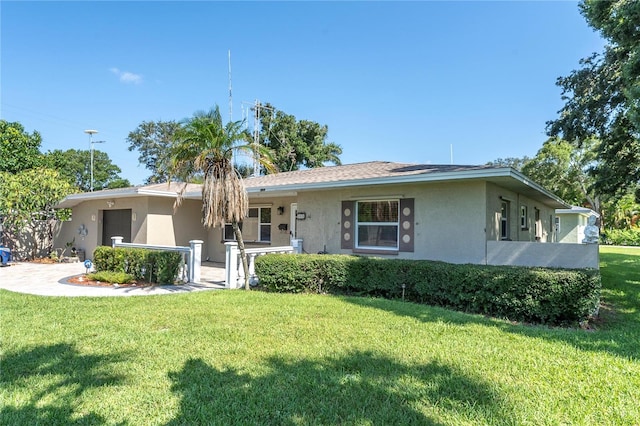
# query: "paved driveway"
[51,280]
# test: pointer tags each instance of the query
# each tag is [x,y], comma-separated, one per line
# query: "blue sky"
[396,81]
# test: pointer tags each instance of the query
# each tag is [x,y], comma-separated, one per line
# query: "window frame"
[358,224]
[524,217]
[259,225]
[504,220]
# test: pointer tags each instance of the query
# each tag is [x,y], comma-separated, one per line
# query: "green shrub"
[539,295]
[149,265]
[621,237]
[111,277]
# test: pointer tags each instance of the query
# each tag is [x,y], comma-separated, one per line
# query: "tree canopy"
[28,198]
[75,166]
[563,169]
[152,140]
[602,97]
[19,150]
[296,143]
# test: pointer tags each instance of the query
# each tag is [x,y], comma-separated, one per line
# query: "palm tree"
[204,148]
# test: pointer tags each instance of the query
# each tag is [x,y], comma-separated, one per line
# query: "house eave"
[492,175]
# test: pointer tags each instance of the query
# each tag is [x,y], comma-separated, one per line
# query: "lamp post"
[91,142]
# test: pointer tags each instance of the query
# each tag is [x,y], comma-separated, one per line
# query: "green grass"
[235,357]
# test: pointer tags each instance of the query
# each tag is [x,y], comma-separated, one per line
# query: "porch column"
[116,240]
[195,260]
[231,265]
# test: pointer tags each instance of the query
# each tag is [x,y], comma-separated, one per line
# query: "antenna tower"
[230,96]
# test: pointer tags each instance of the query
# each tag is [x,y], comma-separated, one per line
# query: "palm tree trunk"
[243,254]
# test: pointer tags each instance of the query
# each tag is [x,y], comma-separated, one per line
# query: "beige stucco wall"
[166,227]
[449,219]
[89,214]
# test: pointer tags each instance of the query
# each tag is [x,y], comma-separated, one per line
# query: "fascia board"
[75,199]
[413,178]
[525,180]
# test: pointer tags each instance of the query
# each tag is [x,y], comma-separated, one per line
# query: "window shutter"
[406,224]
[347,234]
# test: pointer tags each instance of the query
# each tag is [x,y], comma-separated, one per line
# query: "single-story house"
[450,213]
[571,223]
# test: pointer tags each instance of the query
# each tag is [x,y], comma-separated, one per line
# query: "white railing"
[234,272]
[193,254]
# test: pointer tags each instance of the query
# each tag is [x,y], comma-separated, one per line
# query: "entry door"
[116,223]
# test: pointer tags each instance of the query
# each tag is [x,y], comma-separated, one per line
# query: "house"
[571,223]
[415,211]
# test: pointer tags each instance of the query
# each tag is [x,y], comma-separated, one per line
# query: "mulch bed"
[82,280]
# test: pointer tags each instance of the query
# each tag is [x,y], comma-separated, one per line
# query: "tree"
[152,140]
[75,166]
[602,97]
[296,143]
[513,162]
[564,168]
[27,200]
[204,145]
[19,150]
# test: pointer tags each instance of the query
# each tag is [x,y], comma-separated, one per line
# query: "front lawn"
[236,357]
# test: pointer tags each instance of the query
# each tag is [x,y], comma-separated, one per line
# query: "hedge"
[159,267]
[534,295]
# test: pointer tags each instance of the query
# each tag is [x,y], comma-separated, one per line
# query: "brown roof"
[354,172]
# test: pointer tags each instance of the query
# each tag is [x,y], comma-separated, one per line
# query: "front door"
[116,223]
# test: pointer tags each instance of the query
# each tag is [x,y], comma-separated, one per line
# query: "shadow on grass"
[617,333]
[360,388]
[61,374]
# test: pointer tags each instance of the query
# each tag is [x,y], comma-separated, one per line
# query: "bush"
[539,295]
[111,277]
[622,237]
[160,267]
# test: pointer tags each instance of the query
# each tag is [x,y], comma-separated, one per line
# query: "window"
[504,220]
[377,224]
[524,217]
[256,227]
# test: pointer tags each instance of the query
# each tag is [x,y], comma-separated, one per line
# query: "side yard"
[259,358]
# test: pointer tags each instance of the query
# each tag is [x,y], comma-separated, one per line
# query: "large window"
[256,227]
[377,224]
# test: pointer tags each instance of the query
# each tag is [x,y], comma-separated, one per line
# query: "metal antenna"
[230,96]
[256,138]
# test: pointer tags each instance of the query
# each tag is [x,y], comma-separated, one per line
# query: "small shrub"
[111,277]
[621,237]
[150,265]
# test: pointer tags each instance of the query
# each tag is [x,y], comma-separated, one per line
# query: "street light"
[91,142]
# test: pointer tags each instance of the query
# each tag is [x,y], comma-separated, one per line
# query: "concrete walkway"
[51,280]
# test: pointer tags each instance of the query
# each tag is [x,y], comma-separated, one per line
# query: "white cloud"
[126,76]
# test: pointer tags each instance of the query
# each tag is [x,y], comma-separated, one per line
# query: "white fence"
[550,255]
[234,272]
[193,253]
